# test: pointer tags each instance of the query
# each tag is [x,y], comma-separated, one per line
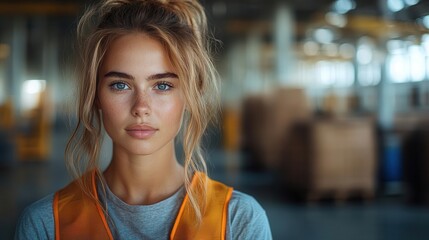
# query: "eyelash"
[169,85]
[113,86]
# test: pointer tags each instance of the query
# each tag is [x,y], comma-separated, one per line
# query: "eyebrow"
[118,75]
[151,77]
[162,76]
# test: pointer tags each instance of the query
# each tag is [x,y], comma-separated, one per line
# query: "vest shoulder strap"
[214,216]
[78,215]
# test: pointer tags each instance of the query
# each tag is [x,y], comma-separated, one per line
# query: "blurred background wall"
[322,100]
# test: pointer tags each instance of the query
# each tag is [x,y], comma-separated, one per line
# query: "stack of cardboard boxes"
[312,156]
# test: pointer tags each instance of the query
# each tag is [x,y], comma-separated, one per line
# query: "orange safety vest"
[78,216]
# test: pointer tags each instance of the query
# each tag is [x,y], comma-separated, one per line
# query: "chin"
[140,151]
[134,149]
[143,147]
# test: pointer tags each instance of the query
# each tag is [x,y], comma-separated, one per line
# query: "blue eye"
[163,86]
[119,86]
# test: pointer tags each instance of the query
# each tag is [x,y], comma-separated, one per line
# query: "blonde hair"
[180,26]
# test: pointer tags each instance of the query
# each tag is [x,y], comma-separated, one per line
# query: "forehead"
[136,54]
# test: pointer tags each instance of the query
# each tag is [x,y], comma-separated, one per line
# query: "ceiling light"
[425,21]
[336,19]
[411,2]
[311,48]
[347,50]
[323,35]
[343,6]
[395,5]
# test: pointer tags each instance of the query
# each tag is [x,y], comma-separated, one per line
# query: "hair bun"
[190,12]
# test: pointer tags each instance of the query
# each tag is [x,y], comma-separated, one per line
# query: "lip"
[141,131]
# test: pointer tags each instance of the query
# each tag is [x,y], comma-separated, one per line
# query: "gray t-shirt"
[246,218]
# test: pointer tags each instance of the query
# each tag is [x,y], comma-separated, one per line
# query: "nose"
[141,106]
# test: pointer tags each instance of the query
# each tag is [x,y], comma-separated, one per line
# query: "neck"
[144,179]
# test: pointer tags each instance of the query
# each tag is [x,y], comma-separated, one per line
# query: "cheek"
[173,111]
[112,108]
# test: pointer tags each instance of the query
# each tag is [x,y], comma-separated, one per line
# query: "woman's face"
[139,95]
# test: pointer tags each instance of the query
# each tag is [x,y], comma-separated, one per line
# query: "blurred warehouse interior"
[328,98]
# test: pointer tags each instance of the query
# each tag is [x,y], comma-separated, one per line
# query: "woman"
[146,77]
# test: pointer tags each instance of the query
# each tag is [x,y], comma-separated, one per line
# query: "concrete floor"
[384,218]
